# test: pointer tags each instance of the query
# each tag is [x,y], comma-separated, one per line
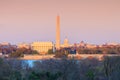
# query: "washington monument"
[58,32]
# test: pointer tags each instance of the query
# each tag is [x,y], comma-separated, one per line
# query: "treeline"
[88,69]
[10,49]
[100,50]
[95,50]
[20,52]
[7,49]
[64,52]
[14,52]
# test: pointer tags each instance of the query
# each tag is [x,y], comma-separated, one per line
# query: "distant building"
[91,46]
[112,44]
[42,47]
[58,44]
[82,44]
[23,45]
[5,44]
[65,44]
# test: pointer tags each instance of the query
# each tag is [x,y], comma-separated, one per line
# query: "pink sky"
[93,21]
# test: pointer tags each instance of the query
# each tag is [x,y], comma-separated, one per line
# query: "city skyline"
[93,21]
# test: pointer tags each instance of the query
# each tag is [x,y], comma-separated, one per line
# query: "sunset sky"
[92,21]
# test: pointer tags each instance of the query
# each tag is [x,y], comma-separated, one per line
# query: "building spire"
[58,32]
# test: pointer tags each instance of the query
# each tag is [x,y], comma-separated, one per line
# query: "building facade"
[42,47]
[65,44]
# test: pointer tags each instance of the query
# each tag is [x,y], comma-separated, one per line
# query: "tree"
[61,54]
[112,67]
[50,51]
[44,76]
[16,55]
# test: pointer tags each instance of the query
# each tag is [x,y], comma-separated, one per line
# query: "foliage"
[44,75]
[100,50]
[16,55]
[61,53]
[64,69]
[90,75]
[50,51]
[112,67]
[21,51]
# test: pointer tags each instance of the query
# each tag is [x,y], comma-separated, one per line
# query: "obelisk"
[58,32]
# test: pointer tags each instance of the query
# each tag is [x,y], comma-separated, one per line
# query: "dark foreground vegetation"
[88,69]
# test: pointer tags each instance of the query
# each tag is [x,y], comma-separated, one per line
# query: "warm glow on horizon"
[95,21]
